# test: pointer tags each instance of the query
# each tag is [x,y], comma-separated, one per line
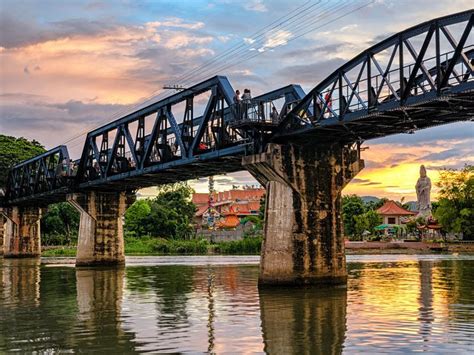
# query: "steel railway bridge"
[305,155]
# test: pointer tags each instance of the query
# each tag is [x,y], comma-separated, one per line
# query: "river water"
[212,304]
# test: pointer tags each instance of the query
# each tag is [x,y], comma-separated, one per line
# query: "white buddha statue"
[423,190]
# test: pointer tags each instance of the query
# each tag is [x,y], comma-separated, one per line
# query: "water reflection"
[303,321]
[425,299]
[99,301]
[20,281]
[400,305]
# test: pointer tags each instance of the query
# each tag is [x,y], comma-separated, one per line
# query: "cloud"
[32,117]
[457,130]
[17,33]
[181,39]
[255,5]
[275,39]
[443,155]
[309,73]
[176,23]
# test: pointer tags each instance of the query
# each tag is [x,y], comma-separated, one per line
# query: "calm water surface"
[212,304]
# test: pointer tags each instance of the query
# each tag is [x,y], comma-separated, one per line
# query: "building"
[393,214]
[227,207]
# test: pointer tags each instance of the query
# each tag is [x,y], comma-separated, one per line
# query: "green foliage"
[64,251]
[412,226]
[60,224]
[160,246]
[455,211]
[261,211]
[136,215]
[367,222]
[248,245]
[169,215]
[150,246]
[374,205]
[352,205]
[15,150]
[256,220]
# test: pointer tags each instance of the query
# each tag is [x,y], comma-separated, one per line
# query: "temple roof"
[392,208]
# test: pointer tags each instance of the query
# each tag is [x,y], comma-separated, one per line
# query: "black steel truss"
[390,76]
[149,146]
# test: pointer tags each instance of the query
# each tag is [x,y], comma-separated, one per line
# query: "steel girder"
[38,175]
[384,89]
[148,147]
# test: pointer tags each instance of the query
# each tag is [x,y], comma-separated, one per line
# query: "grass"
[160,246]
[60,251]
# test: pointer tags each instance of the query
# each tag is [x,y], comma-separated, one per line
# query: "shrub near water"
[160,246]
[150,245]
[248,245]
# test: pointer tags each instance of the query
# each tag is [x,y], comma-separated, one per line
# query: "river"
[392,303]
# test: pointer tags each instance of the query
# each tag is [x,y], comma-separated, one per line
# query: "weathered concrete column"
[304,240]
[100,240]
[22,232]
[2,230]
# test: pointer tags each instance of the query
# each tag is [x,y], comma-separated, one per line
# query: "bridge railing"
[422,85]
[39,175]
[424,61]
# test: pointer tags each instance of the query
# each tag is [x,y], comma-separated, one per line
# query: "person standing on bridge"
[246,97]
[246,100]
[328,100]
[238,104]
[274,115]
[237,97]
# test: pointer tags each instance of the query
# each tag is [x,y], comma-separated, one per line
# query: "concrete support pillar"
[22,232]
[100,240]
[2,230]
[304,239]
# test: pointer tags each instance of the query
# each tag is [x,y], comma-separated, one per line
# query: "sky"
[69,66]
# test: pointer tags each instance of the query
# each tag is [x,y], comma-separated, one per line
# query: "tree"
[455,211]
[60,224]
[169,215]
[375,205]
[352,205]
[261,211]
[15,150]
[136,216]
[367,222]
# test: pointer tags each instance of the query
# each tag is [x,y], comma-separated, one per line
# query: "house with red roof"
[228,206]
[394,214]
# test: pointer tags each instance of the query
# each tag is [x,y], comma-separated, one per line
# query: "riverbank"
[252,245]
[361,248]
[158,246]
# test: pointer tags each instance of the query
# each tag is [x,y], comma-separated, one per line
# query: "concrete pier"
[100,239]
[2,230]
[304,239]
[22,232]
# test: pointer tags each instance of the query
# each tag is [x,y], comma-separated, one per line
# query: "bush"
[149,245]
[248,245]
[64,251]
